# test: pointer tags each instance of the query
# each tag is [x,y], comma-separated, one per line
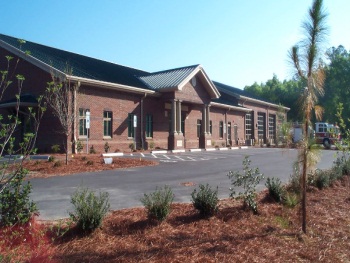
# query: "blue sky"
[238,42]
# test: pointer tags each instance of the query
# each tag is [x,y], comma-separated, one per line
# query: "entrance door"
[261,127]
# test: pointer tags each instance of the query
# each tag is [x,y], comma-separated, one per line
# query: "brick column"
[173,117]
[178,117]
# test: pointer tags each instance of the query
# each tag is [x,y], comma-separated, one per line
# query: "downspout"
[141,122]
[75,115]
[226,136]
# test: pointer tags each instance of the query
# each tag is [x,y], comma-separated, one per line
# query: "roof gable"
[176,79]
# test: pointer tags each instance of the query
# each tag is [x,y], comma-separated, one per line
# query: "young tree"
[306,58]
[60,97]
[15,206]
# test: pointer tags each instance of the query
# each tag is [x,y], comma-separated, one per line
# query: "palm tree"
[306,59]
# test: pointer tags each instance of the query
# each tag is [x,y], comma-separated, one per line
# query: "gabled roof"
[175,79]
[167,79]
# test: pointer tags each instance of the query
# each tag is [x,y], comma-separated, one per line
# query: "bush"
[294,181]
[51,159]
[291,199]
[107,147]
[15,206]
[248,181]
[55,148]
[90,162]
[158,203]
[132,146]
[92,150]
[57,164]
[89,209]
[322,178]
[79,146]
[205,200]
[151,145]
[276,190]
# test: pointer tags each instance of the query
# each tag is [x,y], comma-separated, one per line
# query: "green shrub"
[205,200]
[276,189]
[79,146]
[90,162]
[15,206]
[151,145]
[107,147]
[322,178]
[290,199]
[92,150]
[132,146]
[57,164]
[294,181]
[89,209]
[55,148]
[51,159]
[158,203]
[248,181]
[84,158]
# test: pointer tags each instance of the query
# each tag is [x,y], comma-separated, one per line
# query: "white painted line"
[178,151]
[234,148]
[142,155]
[223,149]
[244,147]
[166,157]
[154,156]
[195,150]
[192,159]
[210,149]
[161,151]
[179,158]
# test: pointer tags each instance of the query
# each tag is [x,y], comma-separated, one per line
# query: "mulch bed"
[79,164]
[233,235]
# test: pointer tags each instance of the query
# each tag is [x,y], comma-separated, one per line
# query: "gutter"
[141,122]
[263,102]
[230,107]
[110,85]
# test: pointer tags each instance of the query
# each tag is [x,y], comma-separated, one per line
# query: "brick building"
[172,109]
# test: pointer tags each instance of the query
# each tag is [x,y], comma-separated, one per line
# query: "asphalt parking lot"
[181,171]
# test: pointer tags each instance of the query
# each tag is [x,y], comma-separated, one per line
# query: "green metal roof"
[82,66]
[167,78]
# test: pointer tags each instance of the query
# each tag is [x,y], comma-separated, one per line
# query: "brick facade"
[194,101]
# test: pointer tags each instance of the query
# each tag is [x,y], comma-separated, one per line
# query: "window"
[261,126]
[82,122]
[199,128]
[149,125]
[131,130]
[211,127]
[272,126]
[221,129]
[107,124]
[248,126]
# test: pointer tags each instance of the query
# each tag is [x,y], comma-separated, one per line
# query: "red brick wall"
[35,83]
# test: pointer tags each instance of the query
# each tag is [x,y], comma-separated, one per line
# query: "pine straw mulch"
[233,235]
[79,164]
